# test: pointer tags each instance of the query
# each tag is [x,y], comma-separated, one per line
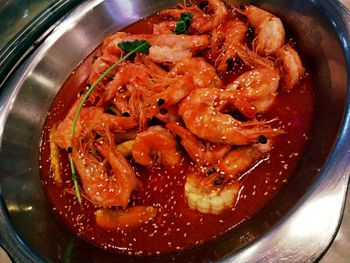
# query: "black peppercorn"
[211,171]
[218,181]
[262,139]
[160,102]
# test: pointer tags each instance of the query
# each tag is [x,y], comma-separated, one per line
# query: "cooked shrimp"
[110,44]
[202,20]
[94,119]
[143,75]
[200,111]
[165,48]
[290,66]
[269,30]
[99,66]
[165,27]
[186,75]
[259,86]
[169,48]
[202,154]
[159,104]
[124,218]
[172,94]
[133,85]
[252,59]
[102,186]
[217,190]
[110,54]
[240,160]
[232,33]
[204,75]
[155,145]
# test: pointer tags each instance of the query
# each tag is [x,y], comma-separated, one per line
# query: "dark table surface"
[15,14]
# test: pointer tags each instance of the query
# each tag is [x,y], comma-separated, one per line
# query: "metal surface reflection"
[16,14]
[314,216]
[297,226]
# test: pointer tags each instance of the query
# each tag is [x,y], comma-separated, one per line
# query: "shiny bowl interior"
[31,231]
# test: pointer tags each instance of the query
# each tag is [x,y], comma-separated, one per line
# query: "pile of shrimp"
[157,108]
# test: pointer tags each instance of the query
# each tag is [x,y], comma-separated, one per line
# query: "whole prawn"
[165,48]
[259,86]
[289,64]
[156,145]
[201,112]
[102,185]
[185,75]
[270,34]
[95,119]
[233,34]
[143,75]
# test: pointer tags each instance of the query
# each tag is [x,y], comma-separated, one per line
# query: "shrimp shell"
[290,66]
[155,145]
[270,34]
[201,113]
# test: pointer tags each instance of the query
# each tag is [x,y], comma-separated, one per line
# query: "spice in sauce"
[177,227]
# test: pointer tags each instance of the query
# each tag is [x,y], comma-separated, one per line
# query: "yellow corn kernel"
[55,157]
[125,148]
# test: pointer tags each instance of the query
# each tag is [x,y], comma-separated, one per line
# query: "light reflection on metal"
[277,244]
[15,208]
[43,80]
[314,216]
[127,7]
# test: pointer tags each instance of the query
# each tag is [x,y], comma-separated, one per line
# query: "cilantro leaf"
[128,46]
[183,24]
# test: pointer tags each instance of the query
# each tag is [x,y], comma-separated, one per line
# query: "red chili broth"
[176,226]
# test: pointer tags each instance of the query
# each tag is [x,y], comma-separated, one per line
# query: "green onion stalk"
[139,48]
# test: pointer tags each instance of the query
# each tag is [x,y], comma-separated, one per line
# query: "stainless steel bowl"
[296,226]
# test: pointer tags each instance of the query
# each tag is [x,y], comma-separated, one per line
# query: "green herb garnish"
[183,24]
[137,46]
[142,46]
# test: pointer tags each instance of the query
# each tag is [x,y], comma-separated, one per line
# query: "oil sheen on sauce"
[177,227]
